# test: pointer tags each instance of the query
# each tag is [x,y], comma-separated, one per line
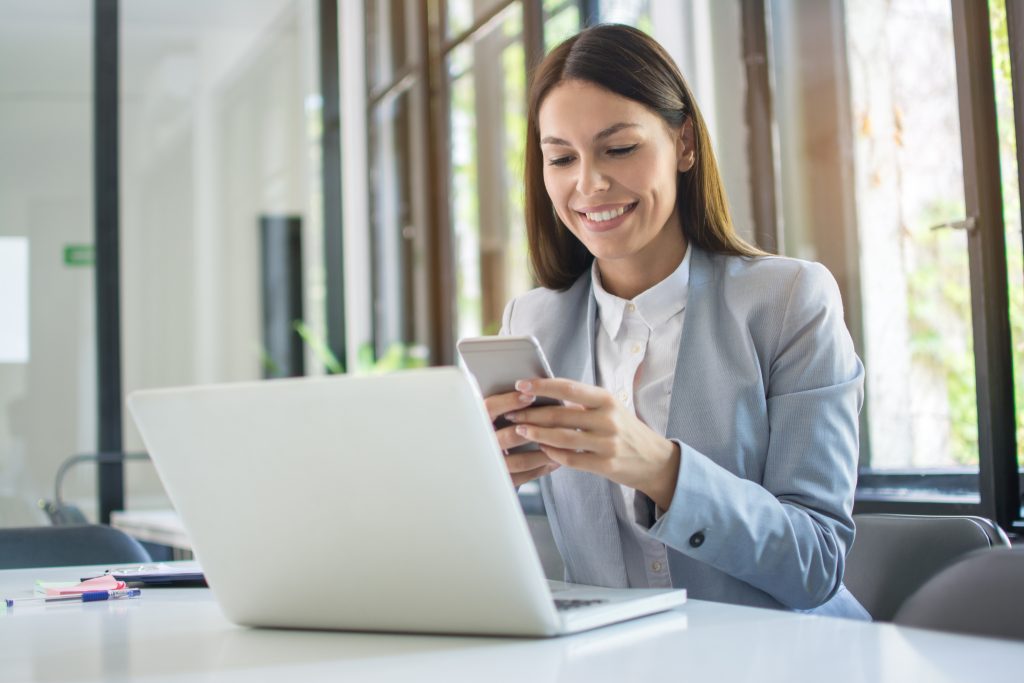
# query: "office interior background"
[198,192]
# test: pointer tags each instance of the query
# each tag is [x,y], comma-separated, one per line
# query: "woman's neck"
[629,277]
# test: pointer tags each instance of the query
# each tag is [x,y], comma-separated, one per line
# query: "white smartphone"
[498,362]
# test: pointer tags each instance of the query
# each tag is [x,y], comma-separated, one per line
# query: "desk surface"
[180,635]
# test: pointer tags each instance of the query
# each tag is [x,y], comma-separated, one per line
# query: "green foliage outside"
[938,286]
[939,310]
[397,357]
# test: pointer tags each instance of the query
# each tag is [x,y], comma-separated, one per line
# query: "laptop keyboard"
[566,605]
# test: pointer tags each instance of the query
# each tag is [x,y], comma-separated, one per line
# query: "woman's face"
[610,168]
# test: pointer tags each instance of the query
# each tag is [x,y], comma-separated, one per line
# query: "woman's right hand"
[525,466]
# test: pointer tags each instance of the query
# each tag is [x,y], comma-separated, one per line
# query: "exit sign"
[79,255]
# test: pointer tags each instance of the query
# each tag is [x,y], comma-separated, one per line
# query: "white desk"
[180,635]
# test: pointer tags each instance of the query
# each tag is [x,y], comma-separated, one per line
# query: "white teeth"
[602,216]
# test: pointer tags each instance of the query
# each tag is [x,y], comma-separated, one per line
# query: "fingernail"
[527,398]
[521,429]
[523,385]
[511,417]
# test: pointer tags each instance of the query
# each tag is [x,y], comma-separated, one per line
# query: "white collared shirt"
[636,346]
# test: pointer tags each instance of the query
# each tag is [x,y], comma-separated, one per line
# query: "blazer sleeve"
[506,318]
[787,535]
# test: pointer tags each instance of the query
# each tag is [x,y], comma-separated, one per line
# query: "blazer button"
[697,540]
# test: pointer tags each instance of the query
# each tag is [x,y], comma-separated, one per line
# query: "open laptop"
[375,503]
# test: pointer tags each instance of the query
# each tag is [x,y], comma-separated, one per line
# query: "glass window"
[918,343]
[47,311]
[392,40]
[462,14]
[561,21]
[399,220]
[488,128]
[632,12]
[888,225]
[398,243]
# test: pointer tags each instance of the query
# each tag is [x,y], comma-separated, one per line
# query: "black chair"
[58,546]
[982,595]
[893,555]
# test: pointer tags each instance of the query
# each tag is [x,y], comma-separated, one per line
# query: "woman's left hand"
[595,433]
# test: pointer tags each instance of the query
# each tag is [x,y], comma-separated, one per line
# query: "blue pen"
[87,596]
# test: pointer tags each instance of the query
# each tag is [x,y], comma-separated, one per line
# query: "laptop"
[369,503]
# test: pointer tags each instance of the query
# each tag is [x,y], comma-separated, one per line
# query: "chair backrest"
[982,594]
[56,546]
[893,555]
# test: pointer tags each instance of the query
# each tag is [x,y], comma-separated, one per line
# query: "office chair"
[51,546]
[893,555]
[982,594]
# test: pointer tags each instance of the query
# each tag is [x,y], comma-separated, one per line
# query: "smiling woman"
[626,106]
[717,455]
[614,186]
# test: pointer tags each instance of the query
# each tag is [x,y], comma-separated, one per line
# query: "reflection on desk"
[181,635]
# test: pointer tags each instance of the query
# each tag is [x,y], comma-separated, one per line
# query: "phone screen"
[498,362]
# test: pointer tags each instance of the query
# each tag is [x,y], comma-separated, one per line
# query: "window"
[889,167]
[448,243]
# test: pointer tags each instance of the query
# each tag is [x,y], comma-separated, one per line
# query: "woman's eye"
[560,161]
[621,151]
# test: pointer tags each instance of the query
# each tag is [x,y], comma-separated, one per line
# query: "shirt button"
[656,566]
[636,348]
[631,307]
[697,540]
[624,397]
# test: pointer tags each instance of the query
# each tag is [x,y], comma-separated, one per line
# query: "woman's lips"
[605,226]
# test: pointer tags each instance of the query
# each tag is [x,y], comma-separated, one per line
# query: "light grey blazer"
[764,408]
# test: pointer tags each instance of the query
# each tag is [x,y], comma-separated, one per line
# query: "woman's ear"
[686,150]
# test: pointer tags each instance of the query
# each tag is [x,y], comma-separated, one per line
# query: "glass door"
[47,319]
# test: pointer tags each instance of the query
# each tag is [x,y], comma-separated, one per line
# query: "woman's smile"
[605,217]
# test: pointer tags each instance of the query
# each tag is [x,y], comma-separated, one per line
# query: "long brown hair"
[631,64]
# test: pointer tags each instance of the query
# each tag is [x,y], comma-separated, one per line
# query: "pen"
[87,596]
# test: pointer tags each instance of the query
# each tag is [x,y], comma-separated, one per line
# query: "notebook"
[371,503]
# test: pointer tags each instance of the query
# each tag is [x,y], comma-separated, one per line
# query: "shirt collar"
[655,305]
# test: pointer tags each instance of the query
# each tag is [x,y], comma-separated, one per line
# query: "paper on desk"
[158,574]
[100,583]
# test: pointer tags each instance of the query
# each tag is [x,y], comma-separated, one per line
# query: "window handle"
[969,224]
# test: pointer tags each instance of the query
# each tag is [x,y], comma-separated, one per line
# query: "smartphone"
[498,362]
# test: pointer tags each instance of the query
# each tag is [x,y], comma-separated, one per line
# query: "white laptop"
[376,503]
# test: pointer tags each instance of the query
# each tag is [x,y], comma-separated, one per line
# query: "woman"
[709,436]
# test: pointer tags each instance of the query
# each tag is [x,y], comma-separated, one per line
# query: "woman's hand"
[525,466]
[594,433]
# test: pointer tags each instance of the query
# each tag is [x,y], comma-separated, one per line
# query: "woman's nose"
[590,179]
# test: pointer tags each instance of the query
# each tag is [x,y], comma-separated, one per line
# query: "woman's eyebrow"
[613,129]
[607,132]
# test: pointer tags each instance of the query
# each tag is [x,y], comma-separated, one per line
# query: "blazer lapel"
[579,504]
[698,321]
